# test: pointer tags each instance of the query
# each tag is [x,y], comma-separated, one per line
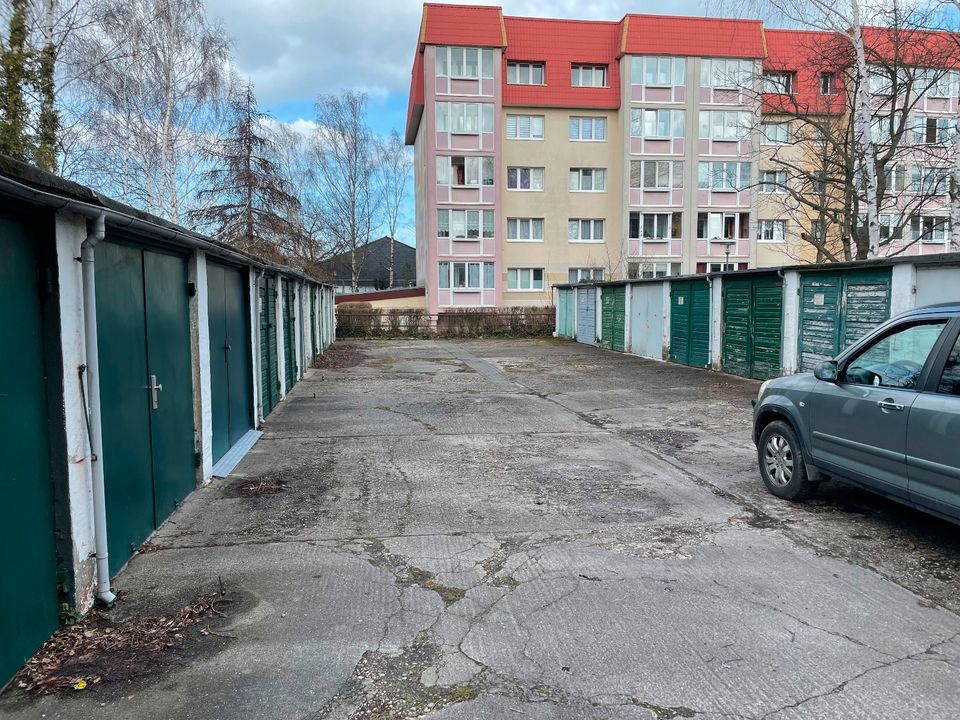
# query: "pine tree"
[15,68]
[250,199]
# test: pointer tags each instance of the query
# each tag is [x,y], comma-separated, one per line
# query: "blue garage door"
[587,316]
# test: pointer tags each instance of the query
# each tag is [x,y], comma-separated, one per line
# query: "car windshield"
[897,359]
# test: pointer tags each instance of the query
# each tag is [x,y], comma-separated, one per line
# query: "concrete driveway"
[535,529]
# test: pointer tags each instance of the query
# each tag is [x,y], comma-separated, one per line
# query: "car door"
[933,453]
[859,423]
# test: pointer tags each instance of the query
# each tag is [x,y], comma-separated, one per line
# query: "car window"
[897,359]
[950,379]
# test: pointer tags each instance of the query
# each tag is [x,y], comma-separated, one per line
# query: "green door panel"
[613,312]
[168,359]
[690,323]
[680,323]
[736,327]
[124,407]
[766,328]
[866,304]
[289,334]
[28,605]
[607,312]
[313,323]
[230,363]
[269,375]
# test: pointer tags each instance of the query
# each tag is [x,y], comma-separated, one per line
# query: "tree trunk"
[955,191]
[48,120]
[864,134]
[391,259]
[13,69]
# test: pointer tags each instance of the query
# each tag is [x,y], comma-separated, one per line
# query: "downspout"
[94,235]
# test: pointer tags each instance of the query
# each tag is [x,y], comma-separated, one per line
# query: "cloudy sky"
[295,50]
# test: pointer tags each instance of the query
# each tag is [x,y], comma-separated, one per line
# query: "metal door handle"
[154,389]
[889,405]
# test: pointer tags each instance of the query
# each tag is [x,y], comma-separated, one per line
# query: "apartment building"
[553,150]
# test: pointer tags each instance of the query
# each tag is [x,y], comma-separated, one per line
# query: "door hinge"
[191,289]
[197,460]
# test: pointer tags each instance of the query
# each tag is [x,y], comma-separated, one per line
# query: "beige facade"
[556,204]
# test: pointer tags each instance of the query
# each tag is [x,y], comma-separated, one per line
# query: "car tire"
[782,464]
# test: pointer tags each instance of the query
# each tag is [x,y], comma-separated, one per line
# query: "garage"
[28,609]
[587,315]
[288,298]
[146,390]
[690,323]
[565,312]
[269,370]
[752,326]
[231,372]
[646,320]
[837,309]
[313,323]
[613,301]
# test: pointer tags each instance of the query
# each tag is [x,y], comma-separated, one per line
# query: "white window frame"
[581,224]
[715,219]
[486,271]
[726,73]
[715,267]
[585,274]
[577,71]
[772,231]
[481,115]
[662,221]
[586,180]
[775,133]
[533,123]
[580,122]
[483,170]
[533,172]
[445,60]
[646,270]
[516,274]
[778,82]
[733,175]
[940,229]
[457,219]
[666,71]
[525,230]
[517,69]
[772,182]
[828,81]
[642,119]
[734,125]
[673,169]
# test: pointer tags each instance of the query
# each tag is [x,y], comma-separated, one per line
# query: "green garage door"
[146,390]
[28,604]
[289,334]
[690,323]
[565,307]
[313,324]
[752,327]
[230,363]
[613,301]
[269,371]
[837,309]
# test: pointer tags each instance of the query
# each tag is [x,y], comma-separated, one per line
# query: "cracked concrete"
[539,529]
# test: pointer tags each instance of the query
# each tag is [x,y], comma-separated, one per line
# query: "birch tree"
[345,158]
[395,166]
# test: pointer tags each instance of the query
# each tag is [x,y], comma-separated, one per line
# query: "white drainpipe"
[94,236]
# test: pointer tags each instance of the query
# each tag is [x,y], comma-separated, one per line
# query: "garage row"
[139,360]
[754,323]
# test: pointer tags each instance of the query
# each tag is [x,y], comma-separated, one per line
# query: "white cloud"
[298,49]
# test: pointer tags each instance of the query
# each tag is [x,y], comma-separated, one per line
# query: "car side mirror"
[826,370]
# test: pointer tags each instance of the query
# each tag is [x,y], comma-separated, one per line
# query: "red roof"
[560,44]
[473,25]
[415,104]
[920,48]
[806,53]
[692,36]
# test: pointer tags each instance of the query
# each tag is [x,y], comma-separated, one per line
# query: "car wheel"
[781,462]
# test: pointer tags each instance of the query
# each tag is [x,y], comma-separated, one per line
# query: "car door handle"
[889,405]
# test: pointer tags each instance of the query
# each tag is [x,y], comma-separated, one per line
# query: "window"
[723,175]
[637,270]
[930,180]
[726,74]
[587,179]
[467,118]
[465,275]
[525,127]
[879,82]
[525,229]
[950,379]
[827,80]
[576,275]
[656,174]
[722,125]
[891,227]
[775,133]
[897,359]
[525,178]
[773,181]
[464,171]
[780,83]
[464,62]
[524,278]
[588,75]
[658,71]
[465,224]
[585,230]
[656,226]
[588,128]
[936,83]
[721,267]
[929,229]
[772,231]
[524,73]
[723,226]
[933,130]
[657,123]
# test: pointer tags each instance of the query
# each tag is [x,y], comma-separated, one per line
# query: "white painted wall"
[667,286]
[200,350]
[254,306]
[789,359]
[281,355]
[716,323]
[71,230]
[937,285]
[903,288]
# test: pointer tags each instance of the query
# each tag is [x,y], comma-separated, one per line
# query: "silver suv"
[885,414]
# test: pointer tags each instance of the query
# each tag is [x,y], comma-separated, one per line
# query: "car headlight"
[763,388]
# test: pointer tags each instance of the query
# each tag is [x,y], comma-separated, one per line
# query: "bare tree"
[395,163]
[15,68]
[346,166]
